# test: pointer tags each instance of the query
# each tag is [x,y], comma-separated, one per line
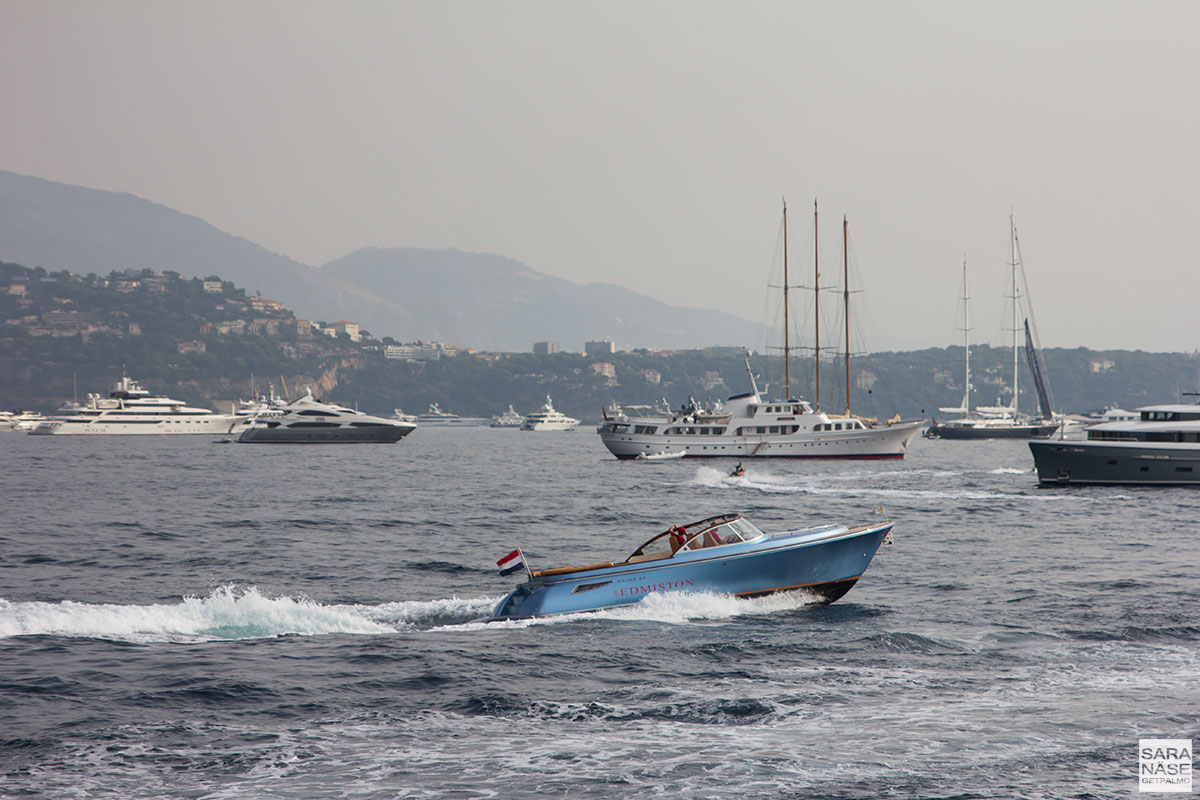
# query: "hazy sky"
[648,144]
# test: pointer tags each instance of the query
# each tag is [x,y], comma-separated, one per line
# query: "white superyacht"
[547,418]
[131,410]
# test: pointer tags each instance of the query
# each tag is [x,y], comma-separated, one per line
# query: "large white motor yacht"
[130,409]
[547,419]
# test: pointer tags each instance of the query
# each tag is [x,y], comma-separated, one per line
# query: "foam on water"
[229,612]
[673,608]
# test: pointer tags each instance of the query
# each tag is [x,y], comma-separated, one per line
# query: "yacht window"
[313,425]
[369,425]
[308,412]
[774,429]
[645,429]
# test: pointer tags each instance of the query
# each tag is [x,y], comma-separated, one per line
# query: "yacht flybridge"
[751,426]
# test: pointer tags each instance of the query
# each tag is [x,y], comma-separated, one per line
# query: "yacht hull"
[1062,462]
[383,434]
[210,425]
[883,441]
[992,432]
[824,561]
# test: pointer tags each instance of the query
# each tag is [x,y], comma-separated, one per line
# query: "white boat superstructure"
[130,409]
[20,420]
[436,417]
[547,418]
[509,419]
[307,420]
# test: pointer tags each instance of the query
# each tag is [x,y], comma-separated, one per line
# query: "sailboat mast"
[966,343]
[787,350]
[846,301]
[1012,225]
[817,303]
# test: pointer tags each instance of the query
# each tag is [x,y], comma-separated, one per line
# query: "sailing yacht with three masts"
[751,426]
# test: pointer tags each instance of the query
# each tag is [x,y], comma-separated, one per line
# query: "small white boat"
[665,455]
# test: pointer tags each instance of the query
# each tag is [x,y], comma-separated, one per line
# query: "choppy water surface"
[180,618]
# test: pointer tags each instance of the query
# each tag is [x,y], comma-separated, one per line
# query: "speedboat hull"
[1064,462]
[826,561]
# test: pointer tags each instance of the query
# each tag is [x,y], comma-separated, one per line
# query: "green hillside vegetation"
[63,335]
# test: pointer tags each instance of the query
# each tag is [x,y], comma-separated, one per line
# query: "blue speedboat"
[724,554]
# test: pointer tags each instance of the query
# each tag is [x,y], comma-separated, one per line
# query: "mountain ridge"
[481,300]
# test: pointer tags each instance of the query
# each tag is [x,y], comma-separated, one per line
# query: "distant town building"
[865,380]
[711,380]
[419,352]
[1102,365]
[652,376]
[135,329]
[213,287]
[600,347]
[607,370]
[348,328]
[545,348]
[17,289]
[261,304]
[191,347]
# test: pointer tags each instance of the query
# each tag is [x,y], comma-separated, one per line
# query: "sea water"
[183,618]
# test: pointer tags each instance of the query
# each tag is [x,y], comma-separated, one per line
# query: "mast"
[787,350]
[846,301]
[817,303]
[1016,361]
[966,344]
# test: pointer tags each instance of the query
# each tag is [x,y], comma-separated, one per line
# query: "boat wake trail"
[677,608]
[229,613]
[762,481]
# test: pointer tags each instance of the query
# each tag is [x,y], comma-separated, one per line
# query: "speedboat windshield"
[714,531]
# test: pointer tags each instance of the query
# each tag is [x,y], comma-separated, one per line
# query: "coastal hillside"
[63,335]
[471,299]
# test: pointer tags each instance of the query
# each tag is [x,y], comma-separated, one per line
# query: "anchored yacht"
[310,421]
[130,409]
[1161,447]
[750,426]
[547,418]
